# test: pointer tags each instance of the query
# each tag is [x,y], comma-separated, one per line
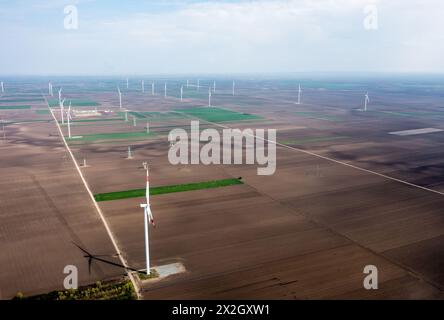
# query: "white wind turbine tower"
[299,95]
[2,87]
[165,89]
[147,127]
[50,89]
[120,97]
[143,86]
[366,101]
[60,95]
[181,94]
[198,84]
[214,86]
[234,86]
[127,83]
[152,88]
[130,154]
[62,110]
[209,96]
[68,117]
[148,218]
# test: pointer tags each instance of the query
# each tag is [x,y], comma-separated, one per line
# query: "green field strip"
[94,124]
[214,114]
[125,142]
[26,121]
[136,114]
[21,100]
[317,116]
[316,139]
[74,103]
[154,116]
[427,115]
[138,193]
[15,107]
[42,112]
[96,120]
[22,96]
[111,136]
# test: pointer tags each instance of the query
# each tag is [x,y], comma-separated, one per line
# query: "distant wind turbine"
[62,110]
[60,95]
[120,97]
[366,101]
[234,86]
[299,95]
[68,116]
[209,96]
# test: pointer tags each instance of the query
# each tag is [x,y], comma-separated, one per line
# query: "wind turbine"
[148,215]
[181,93]
[165,89]
[134,122]
[198,84]
[50,89]
[127,83]
[152,88]
[62,110]
[143,86]
[299,95]
[209,96]
[2,87]
[366,101]
[130,155]
[60,95]
[126,115]
[188,83]
[147,127]
[214,86]
[120,97]
[234,86]
[68,116]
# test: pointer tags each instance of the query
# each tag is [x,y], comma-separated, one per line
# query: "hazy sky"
[146,37]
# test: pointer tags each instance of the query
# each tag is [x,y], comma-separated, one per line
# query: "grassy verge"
[143,276]
[214,114]
[117,290]
[14,107]
[138,193]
